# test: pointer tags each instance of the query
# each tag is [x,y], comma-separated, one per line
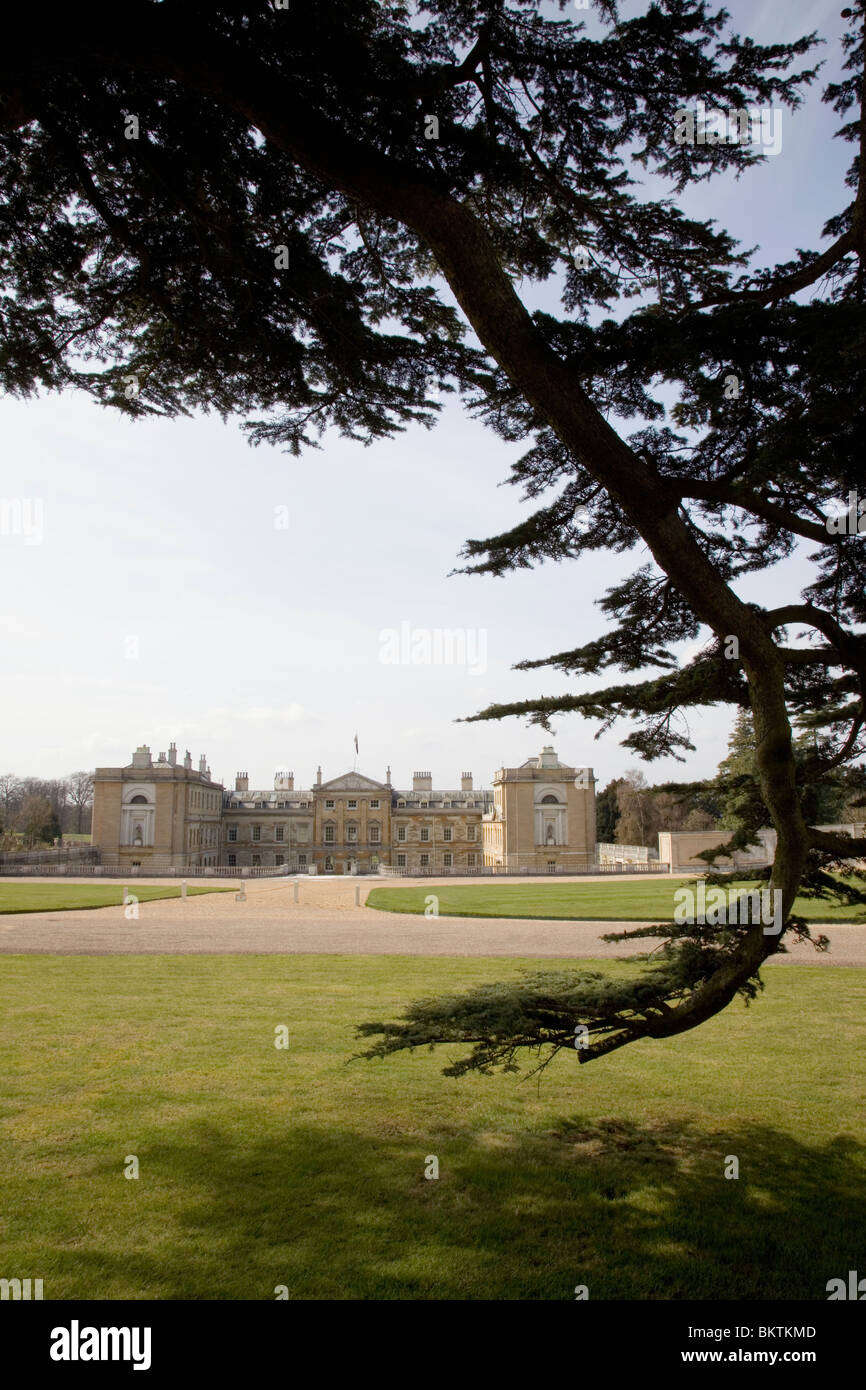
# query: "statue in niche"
[551,835]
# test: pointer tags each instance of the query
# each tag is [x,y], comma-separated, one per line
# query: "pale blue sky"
[261,646]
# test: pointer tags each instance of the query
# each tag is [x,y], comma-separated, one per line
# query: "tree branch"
[749,501]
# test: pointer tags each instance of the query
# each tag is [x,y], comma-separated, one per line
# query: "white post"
[357,895]
[296,890]
[183,888]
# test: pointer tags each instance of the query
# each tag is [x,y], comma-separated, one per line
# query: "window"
[352,805]
[278,859]
[447,860]
[446,803]
[352,833]
[302,861]
[470,859]
[330,834]
[424,805]
[446,833]
[550,801]
[257,832]
[551,866]
[401,803]
[374,861]
[425,860]
[279,833]
[425,833]
[257,859]
[401,833]
[233,859]
[329,804]
[138,801]
[329,864]
[374,834]
[401,861]
[233,832]
[470,832]
[374,804]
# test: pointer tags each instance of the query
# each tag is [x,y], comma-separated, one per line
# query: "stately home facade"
[152,814]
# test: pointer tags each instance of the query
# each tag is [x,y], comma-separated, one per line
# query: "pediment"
[354,782]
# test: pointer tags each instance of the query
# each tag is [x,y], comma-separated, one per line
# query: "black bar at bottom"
[60,1340]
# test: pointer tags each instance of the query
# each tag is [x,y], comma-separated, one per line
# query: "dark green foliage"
[606,813]
[541,1011]
[147,272]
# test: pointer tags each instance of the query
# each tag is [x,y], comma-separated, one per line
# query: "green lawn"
[59,897]
[262,1167]
[651,900]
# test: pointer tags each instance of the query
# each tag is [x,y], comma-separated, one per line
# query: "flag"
[356,743]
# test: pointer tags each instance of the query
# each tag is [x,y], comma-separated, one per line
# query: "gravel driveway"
[326,921]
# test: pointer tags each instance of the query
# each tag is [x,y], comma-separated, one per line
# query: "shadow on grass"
[629,1211]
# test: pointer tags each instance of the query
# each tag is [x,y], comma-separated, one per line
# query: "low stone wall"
[681,850]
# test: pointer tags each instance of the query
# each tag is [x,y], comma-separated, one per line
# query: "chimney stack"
[172,753]
[422,781]
[466,781]
[242,782]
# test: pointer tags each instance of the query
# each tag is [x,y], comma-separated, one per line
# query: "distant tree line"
[629,811]
[35,811]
